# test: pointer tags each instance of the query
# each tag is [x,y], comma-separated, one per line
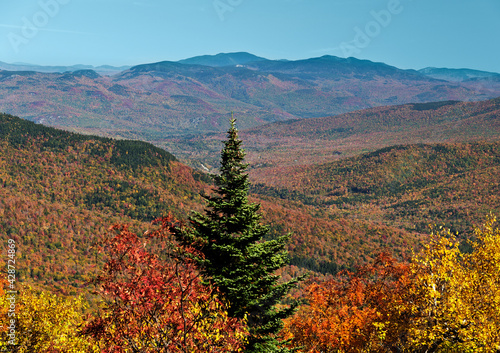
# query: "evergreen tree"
[236,258]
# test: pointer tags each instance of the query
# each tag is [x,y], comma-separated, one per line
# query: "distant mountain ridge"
[457,75]
[102,69]
[243,58]
[221,59]
[158,100]
[332,66]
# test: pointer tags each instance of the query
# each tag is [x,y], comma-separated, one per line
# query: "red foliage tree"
[154,299]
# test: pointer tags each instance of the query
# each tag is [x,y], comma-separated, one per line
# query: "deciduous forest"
[120,247]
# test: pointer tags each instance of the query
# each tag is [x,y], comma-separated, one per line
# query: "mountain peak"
[84,73]
[223,59]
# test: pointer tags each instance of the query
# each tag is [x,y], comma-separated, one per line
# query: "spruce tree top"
[237,220]
[232,183]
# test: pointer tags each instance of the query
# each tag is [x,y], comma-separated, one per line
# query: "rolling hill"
[407,186]
[321,140]
[60,191]
[405,166]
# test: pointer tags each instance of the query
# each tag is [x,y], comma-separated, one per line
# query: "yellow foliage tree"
[456,306]
[439,310]
[45,322]
[3,308]
[485,260]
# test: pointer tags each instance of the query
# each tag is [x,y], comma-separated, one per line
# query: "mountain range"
[458,75]
[197,95]
[345,183]
[102,69]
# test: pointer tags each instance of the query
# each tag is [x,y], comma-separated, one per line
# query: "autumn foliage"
[59,191]
[45,323]
[457,295]
[355,311]
[443,301]
[154,299]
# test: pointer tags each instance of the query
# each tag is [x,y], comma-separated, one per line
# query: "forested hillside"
[326,139]
[410,186]
[64,200]
[61,191]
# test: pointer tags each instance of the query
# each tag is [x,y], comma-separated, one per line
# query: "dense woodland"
[408,186]
[327,139]
[78,206]
[69,188]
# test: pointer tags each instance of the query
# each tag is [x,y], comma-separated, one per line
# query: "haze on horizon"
[409,34]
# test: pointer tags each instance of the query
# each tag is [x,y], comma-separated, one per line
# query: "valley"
[61,191]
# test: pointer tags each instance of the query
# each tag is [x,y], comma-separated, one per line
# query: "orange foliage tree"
[155,301]
[355,312]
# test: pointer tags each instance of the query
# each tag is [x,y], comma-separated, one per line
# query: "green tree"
[236,259]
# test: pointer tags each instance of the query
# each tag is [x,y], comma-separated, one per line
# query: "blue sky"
[403,33]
